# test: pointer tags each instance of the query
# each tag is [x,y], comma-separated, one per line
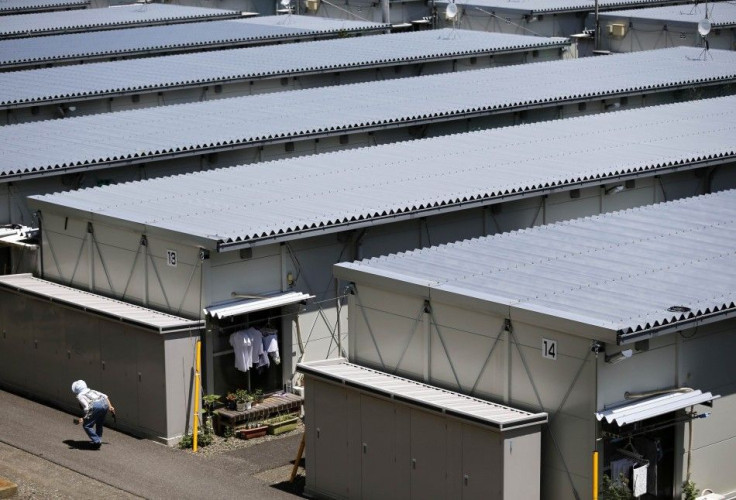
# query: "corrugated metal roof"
[627,273]
[552,6]
[183,70]
[94,19]
[253,304]
[156,39]
[720,14]
[429,397]
[19,6]
[643,409]
[78,299]
[268,201]
[55,146]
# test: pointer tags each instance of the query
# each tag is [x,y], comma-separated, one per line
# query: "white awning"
[643,409]
[249,305]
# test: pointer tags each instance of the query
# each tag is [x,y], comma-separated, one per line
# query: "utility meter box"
[617,29]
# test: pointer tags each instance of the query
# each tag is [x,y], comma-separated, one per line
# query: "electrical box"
[617,29]
[312,5]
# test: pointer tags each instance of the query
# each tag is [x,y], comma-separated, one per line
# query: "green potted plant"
[243,400]
[231,401]
[258,396]
[282,423]
[252,430]
[208,402]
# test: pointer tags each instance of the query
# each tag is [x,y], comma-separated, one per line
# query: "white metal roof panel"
[642,409]
[249,305]
[720,14]
[284,198]
[53,147]
[20,6]
[556,6]
[628,272]
[110,17]
[429,397]
[156,39]
[87,301]
[148,74]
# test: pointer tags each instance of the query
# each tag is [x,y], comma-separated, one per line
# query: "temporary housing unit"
[617,325]
[672,26]
[110,86]
[206,245]
[54,155]
[375,435]
[142,357]
[534,17]
[111,45]
[123,16]
[12,7]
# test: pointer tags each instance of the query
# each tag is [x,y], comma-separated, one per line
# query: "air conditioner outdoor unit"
[617,29]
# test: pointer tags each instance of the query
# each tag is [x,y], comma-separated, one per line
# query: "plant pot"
[252,433]
[277,428]
[240,406]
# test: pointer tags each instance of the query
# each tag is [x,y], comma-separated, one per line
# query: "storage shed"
[111,86]
[620,326]
[54,155]
[116,44]
[375,435]
[654,28]
[535,17]
[122,16]
[53,335]
[11,7]
[186,244]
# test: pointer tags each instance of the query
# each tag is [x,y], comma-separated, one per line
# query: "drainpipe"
[597,28]
[386,17]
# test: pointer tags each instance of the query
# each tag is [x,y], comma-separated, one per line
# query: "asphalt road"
[47,456]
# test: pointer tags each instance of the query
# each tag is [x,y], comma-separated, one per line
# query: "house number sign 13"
[549,349]
[171,258]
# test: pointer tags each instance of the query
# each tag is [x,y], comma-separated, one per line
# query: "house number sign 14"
[549,349]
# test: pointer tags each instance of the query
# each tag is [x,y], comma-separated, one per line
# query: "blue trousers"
[93,422]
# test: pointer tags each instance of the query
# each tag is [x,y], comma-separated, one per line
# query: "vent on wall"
[617,29]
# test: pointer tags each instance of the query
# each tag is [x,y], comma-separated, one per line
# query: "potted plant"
[243,400]
[208,402]
[258,396]
[281,424]
[252,430]
[231,400]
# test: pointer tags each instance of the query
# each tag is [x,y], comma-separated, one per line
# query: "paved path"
[31,435]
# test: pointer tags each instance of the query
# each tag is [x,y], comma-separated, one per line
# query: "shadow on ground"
[79,445]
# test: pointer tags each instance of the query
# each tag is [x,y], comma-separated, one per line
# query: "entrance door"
[378,459]
[428,454]
[331,440]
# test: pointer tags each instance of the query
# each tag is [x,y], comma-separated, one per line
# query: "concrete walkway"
[133,467]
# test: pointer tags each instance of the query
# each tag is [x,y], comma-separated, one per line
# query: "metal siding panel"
[428,455]
[331,466]
[483,465]
[380,470]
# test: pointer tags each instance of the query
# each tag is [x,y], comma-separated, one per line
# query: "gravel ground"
[224,445]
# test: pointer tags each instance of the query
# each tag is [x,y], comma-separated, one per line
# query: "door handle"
[413,463]
[365,448]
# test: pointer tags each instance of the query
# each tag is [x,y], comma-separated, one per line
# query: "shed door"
[482,468]
[378,458]
[428,454]
[331,439]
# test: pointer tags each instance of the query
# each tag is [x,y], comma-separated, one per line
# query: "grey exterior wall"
[513,21]
[194,284]
[471,352]
[45,346]
[650,35]
[360,445]
[147,98]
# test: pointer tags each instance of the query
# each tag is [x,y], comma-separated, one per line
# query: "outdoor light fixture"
[619,356]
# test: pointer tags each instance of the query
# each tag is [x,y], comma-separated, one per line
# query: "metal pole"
[197,368]
[597,28]
[595,475]
[386,11]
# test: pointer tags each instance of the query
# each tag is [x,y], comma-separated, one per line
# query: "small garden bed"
[281,424]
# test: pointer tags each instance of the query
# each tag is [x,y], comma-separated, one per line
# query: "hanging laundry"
[639,479]
[242,344]
[271,346]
